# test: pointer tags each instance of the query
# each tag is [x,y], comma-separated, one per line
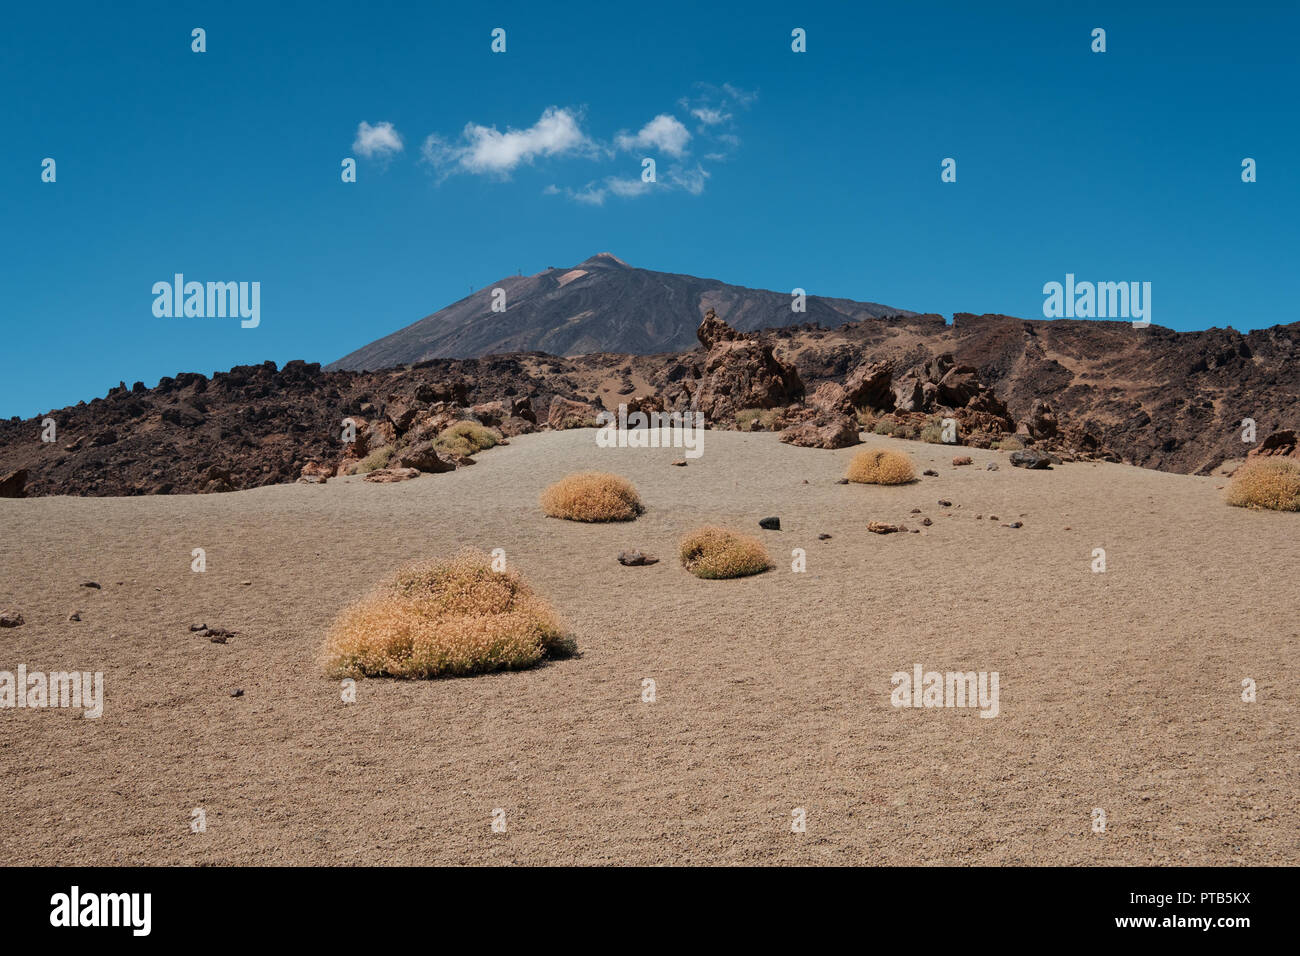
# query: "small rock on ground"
[636,559]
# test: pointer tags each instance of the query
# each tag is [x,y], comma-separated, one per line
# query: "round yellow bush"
[880,467]
[451,617]
[712,552]
[1266,483]
[592,496]
[467,438]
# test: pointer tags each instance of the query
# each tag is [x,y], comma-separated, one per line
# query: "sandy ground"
[1120,691]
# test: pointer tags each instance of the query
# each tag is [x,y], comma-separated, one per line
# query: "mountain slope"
[600,305]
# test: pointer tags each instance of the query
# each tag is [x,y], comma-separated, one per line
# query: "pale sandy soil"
[1119,691]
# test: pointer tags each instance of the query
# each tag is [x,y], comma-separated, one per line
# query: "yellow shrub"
[711,552]
[376,459]
[1266,483]
[445,618]
[466,438]
[880,467]
[592,496]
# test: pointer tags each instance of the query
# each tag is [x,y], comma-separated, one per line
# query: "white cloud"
[485,149]
[595,192]
[381,141]
[628,188]
[664,132]
[744,97]
[692,180]
[709,116]
[591,194]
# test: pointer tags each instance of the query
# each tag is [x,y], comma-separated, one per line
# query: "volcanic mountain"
[600,305]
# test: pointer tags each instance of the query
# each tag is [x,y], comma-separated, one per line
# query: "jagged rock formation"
[1151,397]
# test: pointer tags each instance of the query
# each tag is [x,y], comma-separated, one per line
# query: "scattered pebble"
[916,511]
[962,460]
[823,537]
[993,517]
[74,616]
[945,502]
[879,527]
[237,692]
[679,463]
[992,466]
[250,582]
[931,472]
[927,522]
[842,481]
[635,558]
[770,524]
[198,627]
[11,618]
[91,584]
[1014,524]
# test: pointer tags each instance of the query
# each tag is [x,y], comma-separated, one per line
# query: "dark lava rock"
[13,484]
[1030,459]
[771,524]
[11,618]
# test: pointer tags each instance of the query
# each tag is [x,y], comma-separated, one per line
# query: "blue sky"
[819,170]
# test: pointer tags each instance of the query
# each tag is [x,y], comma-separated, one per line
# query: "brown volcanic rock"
[1150,396]
[831,398]
[826,431]
[869,385]
[1283,444]
[424,457]
[390,475]
[566,413]
[258,425]
[740,372]
[13,484]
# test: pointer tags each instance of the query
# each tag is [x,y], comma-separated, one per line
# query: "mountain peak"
[606,259]
[600,305]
